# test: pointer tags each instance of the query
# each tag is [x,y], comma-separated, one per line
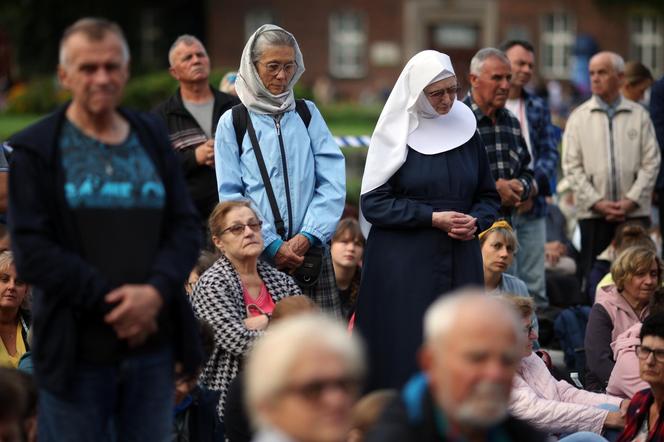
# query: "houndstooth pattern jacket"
[218,299]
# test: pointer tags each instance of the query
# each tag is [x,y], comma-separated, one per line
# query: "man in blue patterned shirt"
[104,231]
[490,76]
[542,140]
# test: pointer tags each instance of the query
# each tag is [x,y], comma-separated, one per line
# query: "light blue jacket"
[316,173]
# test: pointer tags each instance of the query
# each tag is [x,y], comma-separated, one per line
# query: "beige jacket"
[610,159]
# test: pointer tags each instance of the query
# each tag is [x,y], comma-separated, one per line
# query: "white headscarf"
[250,89]
[408,119]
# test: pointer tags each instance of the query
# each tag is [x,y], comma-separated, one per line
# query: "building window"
[647,42]
[255,19]
[557,41]
[348,45]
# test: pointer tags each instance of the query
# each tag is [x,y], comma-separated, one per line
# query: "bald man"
[473,344]
[611,158]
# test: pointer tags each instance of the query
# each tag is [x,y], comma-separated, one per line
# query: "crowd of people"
[188,274]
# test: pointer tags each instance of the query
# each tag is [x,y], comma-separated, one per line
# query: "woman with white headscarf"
[303,164]
[427,191]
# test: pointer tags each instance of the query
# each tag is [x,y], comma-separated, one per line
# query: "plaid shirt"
[544,139]
[505,147]
[637,413]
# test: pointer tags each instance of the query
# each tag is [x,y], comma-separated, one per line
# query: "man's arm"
[573,167]
[523,173]
[192,147]
[545,144]
[646,175]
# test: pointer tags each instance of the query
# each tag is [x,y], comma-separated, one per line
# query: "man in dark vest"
[191,116]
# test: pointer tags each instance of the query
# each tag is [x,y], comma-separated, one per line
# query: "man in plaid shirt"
[541,138]
[490,75]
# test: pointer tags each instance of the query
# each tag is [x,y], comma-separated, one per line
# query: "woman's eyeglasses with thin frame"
[237,229]
[273,68]
[439,93]
[313,391]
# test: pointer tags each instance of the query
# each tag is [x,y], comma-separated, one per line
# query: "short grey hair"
[277,351]
[94,29]
[617,61]
[440,317]
[186,39]
[477,62]
[275,37]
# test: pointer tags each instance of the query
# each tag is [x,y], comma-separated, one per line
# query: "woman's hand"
[457,225]
[256,322]
[614,420]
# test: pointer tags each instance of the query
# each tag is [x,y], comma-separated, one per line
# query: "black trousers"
[596,235]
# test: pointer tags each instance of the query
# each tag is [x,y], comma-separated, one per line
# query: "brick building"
[360,46]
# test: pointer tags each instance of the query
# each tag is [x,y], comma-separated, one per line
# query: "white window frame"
[647,44]
[348,53]
[559,41]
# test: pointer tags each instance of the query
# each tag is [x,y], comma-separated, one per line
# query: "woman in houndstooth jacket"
[237,294]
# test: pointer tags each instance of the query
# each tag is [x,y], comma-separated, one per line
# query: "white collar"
[444,132]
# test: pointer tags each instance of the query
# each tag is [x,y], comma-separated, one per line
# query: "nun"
[427,191]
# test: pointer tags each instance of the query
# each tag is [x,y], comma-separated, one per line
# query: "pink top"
[552,405]
[261,305]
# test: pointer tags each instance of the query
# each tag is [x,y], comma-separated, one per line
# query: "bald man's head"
[473,344]
[606,71]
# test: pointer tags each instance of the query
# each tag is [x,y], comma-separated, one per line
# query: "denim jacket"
[315,166]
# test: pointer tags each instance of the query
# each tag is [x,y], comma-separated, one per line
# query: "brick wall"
[309,22]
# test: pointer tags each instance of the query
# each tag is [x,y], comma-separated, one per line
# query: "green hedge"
[39,96]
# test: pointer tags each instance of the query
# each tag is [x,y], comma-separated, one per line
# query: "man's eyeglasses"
[312,391]
[438,94]
[273,68]
[237,229]
[643,353]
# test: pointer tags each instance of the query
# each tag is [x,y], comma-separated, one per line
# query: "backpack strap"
[303,111]
[240,117]
[278,220]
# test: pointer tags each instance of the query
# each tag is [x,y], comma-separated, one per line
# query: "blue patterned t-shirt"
[117,199]
[106,176]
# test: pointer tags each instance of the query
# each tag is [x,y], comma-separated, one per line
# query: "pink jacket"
[621,313]
[555,406]
[625,379]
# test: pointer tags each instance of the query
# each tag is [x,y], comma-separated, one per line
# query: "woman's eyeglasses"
[440,93]
[237,229]
[643,353]
[273,68]
[312,391]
